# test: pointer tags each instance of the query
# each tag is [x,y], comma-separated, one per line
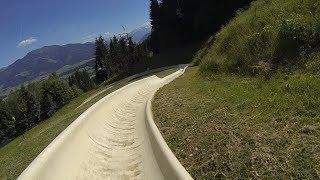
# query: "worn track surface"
[108,141]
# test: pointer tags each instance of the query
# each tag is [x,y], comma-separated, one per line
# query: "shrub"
[75,91]
[82,80]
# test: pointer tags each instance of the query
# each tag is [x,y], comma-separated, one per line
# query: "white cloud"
[27,42]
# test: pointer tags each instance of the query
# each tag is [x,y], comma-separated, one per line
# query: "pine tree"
[123,54]
[101,54]
[17,107]
[7,122]
[32,107]
[75,91]
[155,24]
[48,106]
[170,23]
[131,52]
[177,22]
[82,80]
[72,80]
[114,55]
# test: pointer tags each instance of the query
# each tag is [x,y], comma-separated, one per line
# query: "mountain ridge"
[39,63]
[43,61]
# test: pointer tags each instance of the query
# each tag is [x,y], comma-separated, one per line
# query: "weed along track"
[108,141]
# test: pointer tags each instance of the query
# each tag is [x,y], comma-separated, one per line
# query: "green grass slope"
[251,110]
[235,127]
[269,35]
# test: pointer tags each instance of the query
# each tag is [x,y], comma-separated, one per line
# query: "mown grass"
[234,127]
[18,154]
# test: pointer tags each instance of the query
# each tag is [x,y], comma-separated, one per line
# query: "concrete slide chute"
[111,140]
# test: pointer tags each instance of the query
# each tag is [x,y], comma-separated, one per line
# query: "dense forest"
[121,57]
[29,105]
[178,22]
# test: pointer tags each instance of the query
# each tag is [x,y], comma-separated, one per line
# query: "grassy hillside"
[271,34]
[251,110]
[235,127]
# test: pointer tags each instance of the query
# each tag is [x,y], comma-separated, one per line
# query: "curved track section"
[108,141]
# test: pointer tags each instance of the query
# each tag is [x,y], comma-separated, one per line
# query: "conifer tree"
[32,111]
[48,106]
[155,24]
[114,54]
[123,54]
[17,107]
[177,22]
[100,59]
[82,80]
[7,128]
[131,52]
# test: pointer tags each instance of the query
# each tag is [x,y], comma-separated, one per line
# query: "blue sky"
[26,25]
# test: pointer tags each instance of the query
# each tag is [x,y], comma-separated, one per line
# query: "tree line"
[176,22]
[27,106]
[121,57]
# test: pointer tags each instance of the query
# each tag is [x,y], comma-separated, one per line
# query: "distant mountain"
[2,69]
[63,59]
[44,61]
[140,34]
